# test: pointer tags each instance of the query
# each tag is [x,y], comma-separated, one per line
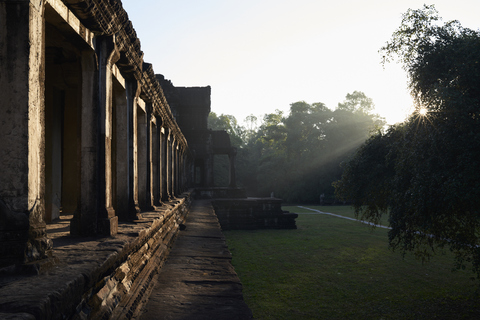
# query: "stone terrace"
[89,277]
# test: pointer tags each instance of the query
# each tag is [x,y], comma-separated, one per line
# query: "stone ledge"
[198,280]
[94,274]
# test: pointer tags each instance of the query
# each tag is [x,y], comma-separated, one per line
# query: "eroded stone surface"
[93,274]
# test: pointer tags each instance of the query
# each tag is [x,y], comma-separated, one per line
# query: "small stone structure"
[253,213]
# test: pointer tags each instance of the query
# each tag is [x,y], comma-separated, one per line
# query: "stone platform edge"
[94,275]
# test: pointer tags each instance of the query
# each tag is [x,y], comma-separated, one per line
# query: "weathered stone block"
[253,213]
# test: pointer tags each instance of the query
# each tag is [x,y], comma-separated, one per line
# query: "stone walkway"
[198,280]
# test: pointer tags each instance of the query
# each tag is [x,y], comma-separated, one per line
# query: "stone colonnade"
[85,127]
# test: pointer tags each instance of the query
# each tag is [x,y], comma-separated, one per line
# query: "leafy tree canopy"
[297,155]
[357,102]
[424,172]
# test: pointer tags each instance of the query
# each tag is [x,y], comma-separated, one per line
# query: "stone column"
[148,158]
[107,55]
[164,164]
[85,220]
[133,91]
[22,128]
[180,170]
[141,158]
[174,168]
[183,174]
[186,170]
[173,147]
[231,157]
[156,162]
[122,155]
[168,164]
[177,169]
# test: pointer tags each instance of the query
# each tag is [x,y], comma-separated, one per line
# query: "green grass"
[332,268]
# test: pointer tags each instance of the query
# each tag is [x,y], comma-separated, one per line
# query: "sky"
[260,56]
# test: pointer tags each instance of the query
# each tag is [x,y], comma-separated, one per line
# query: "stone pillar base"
[158,205]
[38,246]
[109,226]
[135,213]
[83,225]
[149,208]
[37,267]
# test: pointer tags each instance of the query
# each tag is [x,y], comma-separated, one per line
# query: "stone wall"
[191,107]
[85,127]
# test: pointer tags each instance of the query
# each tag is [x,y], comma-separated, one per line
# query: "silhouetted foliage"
[425,173]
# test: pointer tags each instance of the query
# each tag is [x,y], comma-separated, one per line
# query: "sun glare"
[422,115]
[423,112]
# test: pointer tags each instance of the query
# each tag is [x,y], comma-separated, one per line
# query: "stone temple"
[93,140]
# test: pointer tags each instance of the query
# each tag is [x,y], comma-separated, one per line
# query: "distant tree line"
[297,156]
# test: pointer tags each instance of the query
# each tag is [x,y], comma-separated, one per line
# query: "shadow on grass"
[332,268]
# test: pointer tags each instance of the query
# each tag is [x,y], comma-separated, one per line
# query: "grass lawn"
[333,268]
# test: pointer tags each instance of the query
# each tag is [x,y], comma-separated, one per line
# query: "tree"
[424,173]
[357,102]
[368,177]
[252,127]
[298,156]
[268,155]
